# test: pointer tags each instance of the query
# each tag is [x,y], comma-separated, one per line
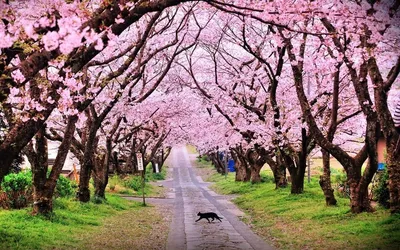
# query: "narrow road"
[191,197]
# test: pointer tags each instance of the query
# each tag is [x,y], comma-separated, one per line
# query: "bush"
[16,190]
[341,185]
[17,182]
[113,181]
[381,191]
[151,176]
[65,187]
[133,182]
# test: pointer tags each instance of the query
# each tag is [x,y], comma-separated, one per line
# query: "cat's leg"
[219,219]
[198,219]
[208,220]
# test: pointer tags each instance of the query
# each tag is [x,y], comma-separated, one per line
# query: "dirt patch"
[145,228]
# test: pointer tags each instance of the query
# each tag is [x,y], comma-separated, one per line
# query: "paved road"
[193,196]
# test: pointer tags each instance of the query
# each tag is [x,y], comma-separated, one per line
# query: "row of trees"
[316,80]
[269,81]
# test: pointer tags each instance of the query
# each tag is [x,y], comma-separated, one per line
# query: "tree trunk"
[42,198]
[280,177]
[242,170]
[217,162]
[117,167]
[393,165]
[6,159]
[255,176]
[297,175]
[88,164]
[325,180]
[83,194]
[257,157]
[43,202]
[99,177]
[359,200]
[43,187]
[279,171]
[297,172]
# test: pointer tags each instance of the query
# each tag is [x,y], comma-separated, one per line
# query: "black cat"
[209,215]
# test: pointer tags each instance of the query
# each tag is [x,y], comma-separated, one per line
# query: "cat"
[207,216]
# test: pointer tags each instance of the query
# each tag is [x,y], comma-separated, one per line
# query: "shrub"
[65,187]
[381,191]
[16,190]
[113,181]
[133,182]
[341,185]
[151,176]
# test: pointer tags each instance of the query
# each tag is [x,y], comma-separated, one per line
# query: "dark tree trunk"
[87,165]
[100,175]
[279,171]
[42,198]
[243,171]
[83,194]
[165,153]
[7,157]
[241,165]
[280,177]
[217,162]
[297,166]
[325,180]
[394,185]
[297,176]
[359,200]
[257,159]
[117,167]
[393,165]
[43,187]
[255,176]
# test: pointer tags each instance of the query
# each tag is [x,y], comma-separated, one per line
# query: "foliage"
[65,187]
[341,185]
[113,181]
[151,176]
[133,182]
[16,190]
[381,191]
[17,181]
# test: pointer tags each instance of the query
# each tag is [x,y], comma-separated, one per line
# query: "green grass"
[73,223]
[304,221]
[132,184]
[20,230]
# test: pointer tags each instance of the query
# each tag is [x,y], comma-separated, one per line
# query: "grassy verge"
[132,185]
[303,221]
[114,224]
[68,227]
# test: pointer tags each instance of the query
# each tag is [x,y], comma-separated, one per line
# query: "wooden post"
[141,168]
[143,184]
